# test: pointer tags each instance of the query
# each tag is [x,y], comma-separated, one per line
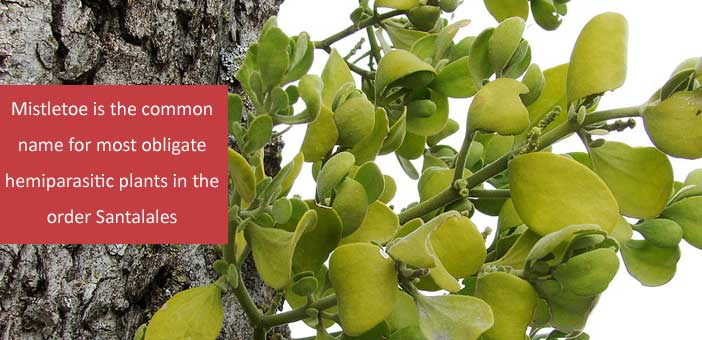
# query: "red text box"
[158,145]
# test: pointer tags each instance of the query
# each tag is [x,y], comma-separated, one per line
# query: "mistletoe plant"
[346,257]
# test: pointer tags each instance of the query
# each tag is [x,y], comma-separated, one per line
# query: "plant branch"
[564,130]
[491,194]
[326,43]
[252,311]
[298,313]
[460,166]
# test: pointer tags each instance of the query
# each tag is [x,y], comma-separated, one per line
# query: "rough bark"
[97,292]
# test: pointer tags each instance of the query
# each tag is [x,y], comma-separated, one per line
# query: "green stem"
[463,154]
[252,311]
[229,249]
[260,334]
[298,313]
[361,72]
[491,194]
[564,130]
[326,43]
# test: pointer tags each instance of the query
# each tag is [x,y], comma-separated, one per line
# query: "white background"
[662,34]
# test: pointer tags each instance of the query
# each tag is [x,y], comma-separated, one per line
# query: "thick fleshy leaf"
[641,179]
[290,176]
[402,37]
[273,57]
[598,62]
[379,226]
[551,192]
[688,214]
[258,133]
[651,265]
[546,14]
[569,312]
[588,274]
[479,63]
[535,80]
[351,203]
[372,179]
[369,148]
[354,119]
[448,130]
[315,245]
[365,282]
[396,135]
[302,58]
[552,244]
[335,74]
[389,191]
[310,90]
[235,110]
[505,41]
[453,317]
[431,125]
[321,136]
[454,80]
[512,301]
[194,313]
[661,232]
[460,246]
[273,249]
[508,217]
[503,9]
[323,289]
[403,69]
[404,314]
[412,146]
[498,108]
[243,175]
[424,17]
[674,124]
[334,171]
[552,95]
[397,4]
[497,147]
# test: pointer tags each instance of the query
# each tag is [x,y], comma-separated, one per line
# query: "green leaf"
[401,37]
[281,210]
[641,179]
[311,93]
[368,149]
[424,17]
[321,136]
[273,249]
[674,124]
[449,129]
[259,133]
[404,313]
[598,62]
[497,147]
[588,274]
[459,246]
[302,58]
[449,5]
[379,225]
[235,109]
[354,119]
[334,171]
[688,214]
[335,74]
[397,4]
[512,301]
[433,124]
[351,203]
[454,80]
[661,232]
[503,9]
[425,47]
[243,176]
[315,245]
[498,108]
[396,135]
[553,94]
[273,56]
[389,191]
[505,41]
[551,248]
[569,312]
[546,14]
[551,192]
[453,317]
[195,313]
[533,79]
[295,168]
[651,265]
[323,289]
[365,282]
[400,68]
[372,179]
[479,62]
[412,146]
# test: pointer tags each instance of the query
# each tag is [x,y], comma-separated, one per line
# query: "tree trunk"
[96,292]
